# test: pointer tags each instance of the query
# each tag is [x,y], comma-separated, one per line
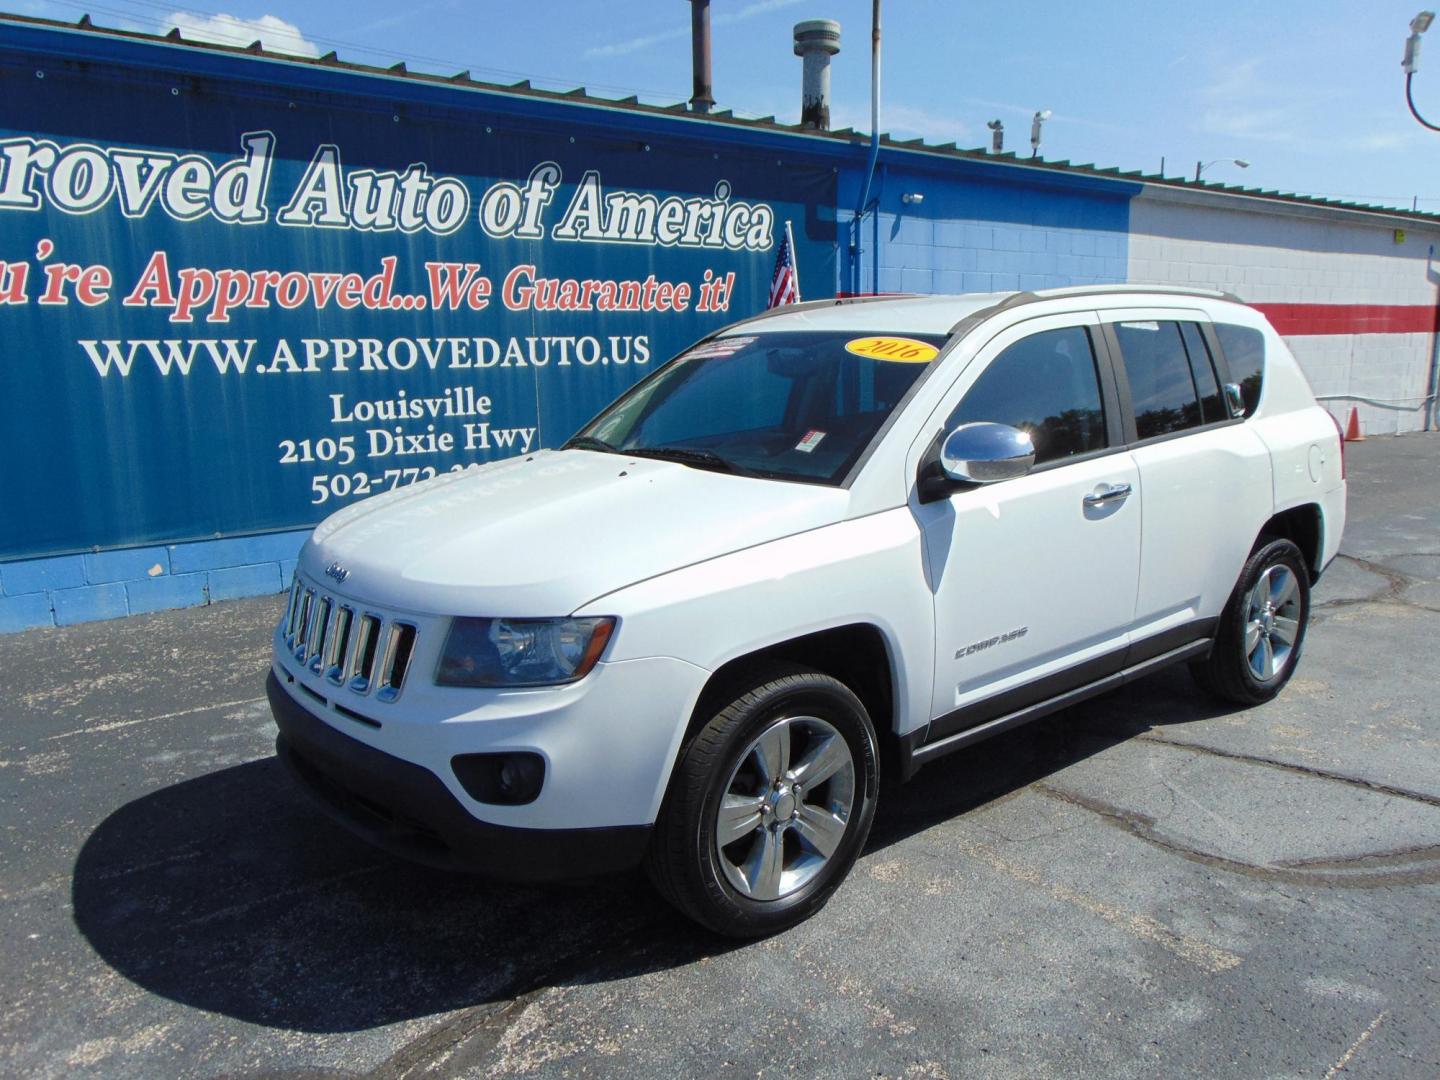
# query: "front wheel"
[1261,629]
[770,805]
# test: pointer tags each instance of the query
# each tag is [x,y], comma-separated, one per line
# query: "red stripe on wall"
[1302,319]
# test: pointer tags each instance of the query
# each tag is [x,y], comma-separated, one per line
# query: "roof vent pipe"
[701,100]
[816,40]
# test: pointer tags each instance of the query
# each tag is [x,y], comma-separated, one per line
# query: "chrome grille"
[346,645]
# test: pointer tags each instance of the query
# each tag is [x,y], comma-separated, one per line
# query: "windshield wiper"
[684,455]
[587,442]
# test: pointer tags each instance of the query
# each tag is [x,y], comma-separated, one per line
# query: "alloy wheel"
[1272,622]
[786,807]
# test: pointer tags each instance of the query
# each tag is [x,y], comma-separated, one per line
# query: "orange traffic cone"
[1352,429]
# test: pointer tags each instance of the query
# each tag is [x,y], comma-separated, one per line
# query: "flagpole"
[794,259]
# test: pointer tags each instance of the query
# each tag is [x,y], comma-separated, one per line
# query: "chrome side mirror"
[1235,399]
[985,453]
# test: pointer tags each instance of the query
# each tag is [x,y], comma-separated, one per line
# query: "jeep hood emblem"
[337,572]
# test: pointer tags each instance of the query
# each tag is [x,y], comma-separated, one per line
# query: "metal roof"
[727,119]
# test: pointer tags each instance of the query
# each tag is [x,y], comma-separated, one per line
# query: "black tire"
[685,861]
[1228,673]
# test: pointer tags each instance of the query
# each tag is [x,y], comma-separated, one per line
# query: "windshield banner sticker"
[896,349]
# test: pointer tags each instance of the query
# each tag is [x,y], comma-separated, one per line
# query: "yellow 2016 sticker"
[902,350]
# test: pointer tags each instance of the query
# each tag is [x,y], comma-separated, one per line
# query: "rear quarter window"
[1244,350]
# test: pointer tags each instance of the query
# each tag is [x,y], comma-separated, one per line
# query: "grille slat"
[366,648]
[362,651]
[319,614]
[399,644]
[354,650]
[338,650]
[292,611]
[326,620]
[302,630]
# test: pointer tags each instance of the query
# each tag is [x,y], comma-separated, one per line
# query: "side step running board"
[928,752]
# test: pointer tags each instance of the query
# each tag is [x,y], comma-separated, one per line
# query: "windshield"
[801,405]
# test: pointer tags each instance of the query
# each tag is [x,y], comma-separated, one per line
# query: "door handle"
[1112,493]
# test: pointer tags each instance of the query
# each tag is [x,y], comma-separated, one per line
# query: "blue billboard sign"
[230,307]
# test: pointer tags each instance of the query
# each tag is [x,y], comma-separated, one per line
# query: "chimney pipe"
[701,100]
[816,40]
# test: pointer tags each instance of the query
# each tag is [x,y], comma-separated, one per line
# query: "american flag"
[785,285]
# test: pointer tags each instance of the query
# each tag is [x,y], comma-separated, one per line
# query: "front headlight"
[521,652]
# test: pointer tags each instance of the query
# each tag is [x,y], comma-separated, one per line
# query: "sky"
[1311,95]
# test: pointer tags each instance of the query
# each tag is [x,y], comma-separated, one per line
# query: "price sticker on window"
[811,440]
[898,350]
[720,347]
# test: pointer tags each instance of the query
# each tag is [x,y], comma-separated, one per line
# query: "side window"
[1047,385]
[1212,406]
[1245,356]
[1162,389]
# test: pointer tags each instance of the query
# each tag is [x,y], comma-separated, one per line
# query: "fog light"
[502,779]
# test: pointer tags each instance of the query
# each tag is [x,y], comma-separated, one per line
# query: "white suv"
[833,536]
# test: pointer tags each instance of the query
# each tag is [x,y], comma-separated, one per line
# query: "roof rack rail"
[1132,286]
[1076,291]
[811,305]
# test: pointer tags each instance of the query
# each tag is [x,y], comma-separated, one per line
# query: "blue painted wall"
[980,227]
[65,589]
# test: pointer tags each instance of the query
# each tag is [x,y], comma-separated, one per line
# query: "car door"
[1034,578]
[1204,474]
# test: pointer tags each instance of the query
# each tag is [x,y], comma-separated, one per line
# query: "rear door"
[1034,579]
[1204,475]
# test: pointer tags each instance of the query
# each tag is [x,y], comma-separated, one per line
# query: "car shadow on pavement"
[232,893]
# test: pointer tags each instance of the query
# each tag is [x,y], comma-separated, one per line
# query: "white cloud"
[644,41]
[760,7]
[635,44]
[1238,81]
[1274,125]
[272,31]
[904,122]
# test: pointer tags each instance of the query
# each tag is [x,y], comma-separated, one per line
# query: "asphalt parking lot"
[1146,885]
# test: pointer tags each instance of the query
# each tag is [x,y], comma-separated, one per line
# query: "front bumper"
[406,810]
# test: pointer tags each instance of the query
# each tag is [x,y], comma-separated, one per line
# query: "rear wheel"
[770,805]
[1261,629]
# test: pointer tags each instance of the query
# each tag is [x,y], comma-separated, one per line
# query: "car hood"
[545,534]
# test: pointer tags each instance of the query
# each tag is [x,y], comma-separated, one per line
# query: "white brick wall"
[1383,367]
[1265,255]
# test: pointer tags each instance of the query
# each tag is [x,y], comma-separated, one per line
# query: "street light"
[1201,166]
[1411,62]
[1418,26]
[1040,118]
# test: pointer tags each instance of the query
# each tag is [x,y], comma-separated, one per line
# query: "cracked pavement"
[1146,884]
